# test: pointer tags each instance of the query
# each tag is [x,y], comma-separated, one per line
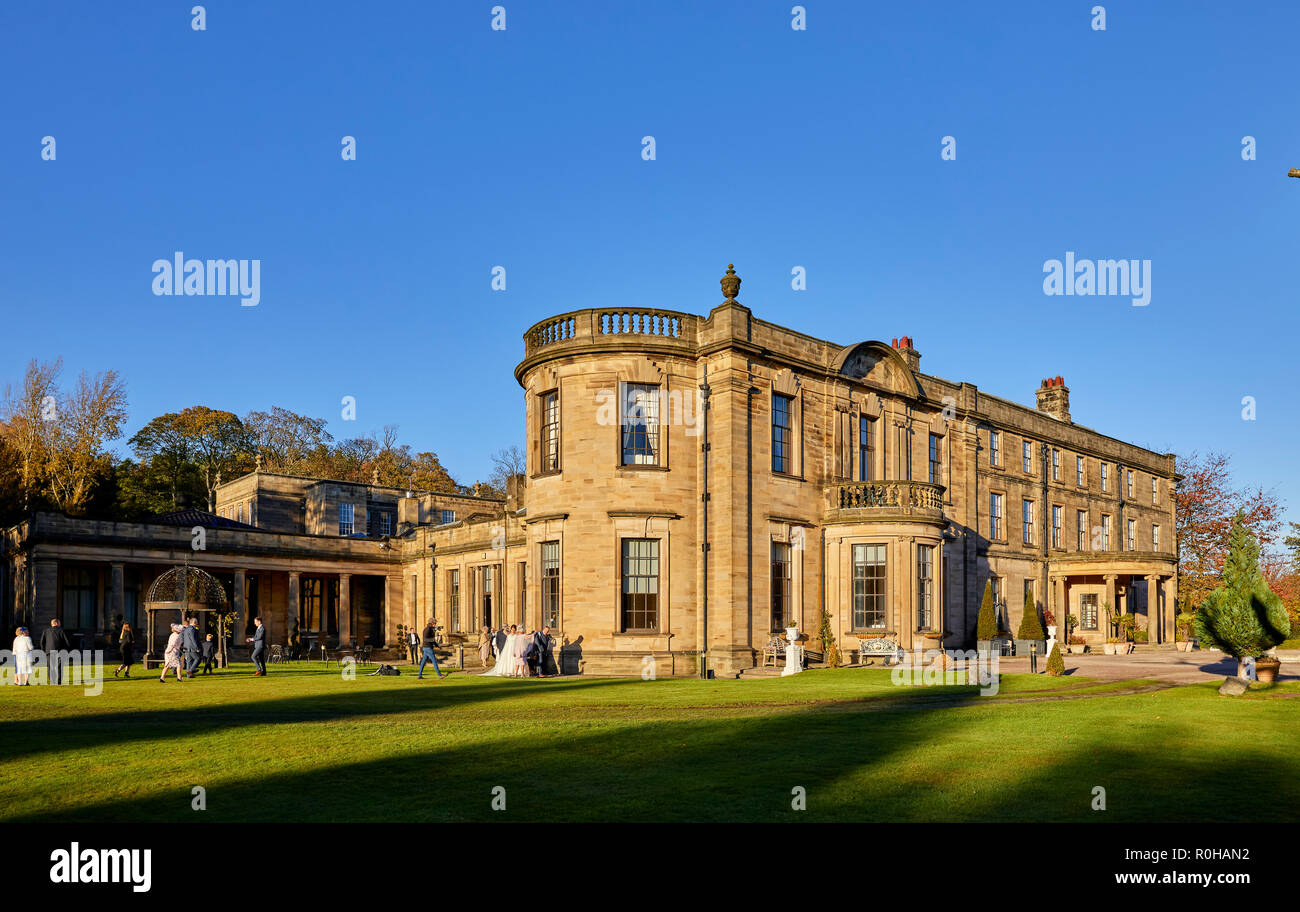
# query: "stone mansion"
[693,484]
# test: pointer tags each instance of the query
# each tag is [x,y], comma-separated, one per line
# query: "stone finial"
[730,283]
[257,463]
[374,475]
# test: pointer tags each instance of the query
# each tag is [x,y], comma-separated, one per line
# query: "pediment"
[878,364]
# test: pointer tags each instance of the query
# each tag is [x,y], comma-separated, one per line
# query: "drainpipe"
[1047,519]
[749,512]
[705,391]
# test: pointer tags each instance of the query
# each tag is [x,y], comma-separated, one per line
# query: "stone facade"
[693,485]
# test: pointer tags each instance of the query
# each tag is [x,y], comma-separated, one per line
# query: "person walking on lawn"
[430,640]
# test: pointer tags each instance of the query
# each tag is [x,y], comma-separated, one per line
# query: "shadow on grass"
[720,769]
[80,732]
[872,764]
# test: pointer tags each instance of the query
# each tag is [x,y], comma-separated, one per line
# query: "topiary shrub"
[1242,616]
[1055,664]
[1030,627]
[987,628]
[829,646]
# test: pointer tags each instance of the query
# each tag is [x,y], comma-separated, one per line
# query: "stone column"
[45,595]
[117,596]
[292,610]
[1153,609]
[239,601]
[1170,588]
[1061,610]
[1112,599]
[345,609]
[392,599]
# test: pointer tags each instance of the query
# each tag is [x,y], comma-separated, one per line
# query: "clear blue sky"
[775,148]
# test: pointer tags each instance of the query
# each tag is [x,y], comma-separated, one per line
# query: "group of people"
[54,642]
[519,654]
[185,652]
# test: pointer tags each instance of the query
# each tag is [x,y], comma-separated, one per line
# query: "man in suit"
[413,644]
[54,642]
[501,639]
[190,647]
[545,655]
[258,639]
[430,640]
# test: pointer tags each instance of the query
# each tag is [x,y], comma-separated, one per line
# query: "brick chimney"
[903,344]
[1054,398]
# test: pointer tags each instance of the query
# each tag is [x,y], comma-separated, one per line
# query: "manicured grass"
[305,744]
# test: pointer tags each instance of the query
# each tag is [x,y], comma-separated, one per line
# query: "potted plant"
[1050,620]
[1031,633]
[1243,616]
[1077,645]
[1183,635]
[1124,643]
[1266,668]
[986,630]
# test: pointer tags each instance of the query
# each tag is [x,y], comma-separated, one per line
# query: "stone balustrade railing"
[600,324]
[896,495]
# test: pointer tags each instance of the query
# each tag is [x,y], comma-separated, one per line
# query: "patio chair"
[773,651]
[277,654]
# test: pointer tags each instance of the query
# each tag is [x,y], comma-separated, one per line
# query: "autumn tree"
[1205,503]
[506,464]
[88,418]
[166,459]
[28,411]
[59,438]
[286,441]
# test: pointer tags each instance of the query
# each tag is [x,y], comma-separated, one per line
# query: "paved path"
[1159,665]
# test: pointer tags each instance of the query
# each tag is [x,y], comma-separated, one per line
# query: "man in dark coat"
[54,642]
[413,644]
[430,640]
[190,648]
[545,653]
[258,639]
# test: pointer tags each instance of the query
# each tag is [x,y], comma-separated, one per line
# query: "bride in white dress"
[504,668]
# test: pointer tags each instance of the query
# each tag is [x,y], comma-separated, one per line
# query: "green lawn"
[304,744]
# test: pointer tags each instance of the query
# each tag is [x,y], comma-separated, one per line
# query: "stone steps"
[760,671]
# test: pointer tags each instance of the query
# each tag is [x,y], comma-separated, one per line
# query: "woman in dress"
[172,657]
[485,645]
[504,663]
[22,656]
[520,644]
[126,646]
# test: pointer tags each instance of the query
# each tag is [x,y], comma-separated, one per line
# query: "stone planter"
[1266,669]
[1109,648]
[1078,649]
[985,647]
[1183,646]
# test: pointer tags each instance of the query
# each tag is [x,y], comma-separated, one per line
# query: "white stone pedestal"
[793,653]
